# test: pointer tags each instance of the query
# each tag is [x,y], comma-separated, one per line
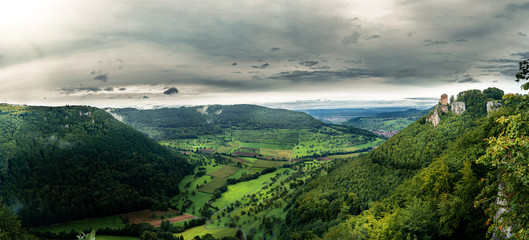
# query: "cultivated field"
[224,171]
[211,186]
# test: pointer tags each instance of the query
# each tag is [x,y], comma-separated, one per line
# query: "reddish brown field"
[145,216]
[207,151]
[244,154]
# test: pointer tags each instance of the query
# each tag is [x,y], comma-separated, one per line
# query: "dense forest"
[191,122]
[64,163]
[420,184]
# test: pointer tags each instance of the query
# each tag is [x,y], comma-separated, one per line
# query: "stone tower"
[444,99]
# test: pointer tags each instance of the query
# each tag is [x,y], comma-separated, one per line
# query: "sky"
[295,54]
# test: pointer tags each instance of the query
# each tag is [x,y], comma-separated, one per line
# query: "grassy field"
[81,225]
[240,189]
[277,153]
[267,164]
[224,171]
[224,150]
[260,145]
[200,231]
[210,187]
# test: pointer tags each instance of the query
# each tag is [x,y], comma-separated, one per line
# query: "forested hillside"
[64,163]
[191,122]
[420,184]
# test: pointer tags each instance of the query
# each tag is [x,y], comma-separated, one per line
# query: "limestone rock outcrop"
[434,118]
[492,106]
[458,107]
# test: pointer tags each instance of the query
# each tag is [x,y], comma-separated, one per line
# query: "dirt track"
[145,216]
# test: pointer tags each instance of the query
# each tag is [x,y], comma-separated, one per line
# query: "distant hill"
[191,122]
[341,115]
[393,121]
[64,163]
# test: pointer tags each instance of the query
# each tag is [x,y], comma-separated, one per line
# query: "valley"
[276,179]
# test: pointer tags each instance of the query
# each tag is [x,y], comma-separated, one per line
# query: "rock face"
[459,107]
[434,118]
[443,108]
[491,106]
[444,99]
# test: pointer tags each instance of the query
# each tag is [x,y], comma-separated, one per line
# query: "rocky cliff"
[442,106]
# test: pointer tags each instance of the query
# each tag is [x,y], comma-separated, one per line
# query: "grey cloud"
[461,40]
[275,49]
[521,34]
[429,42]
[373,36]
[325,75]
[122,89]
[120,63]
[80,89]
[171,91]
[102,77]
[261,66]
[309,63]
[351,39]
[524,55]
[353,61]
[468,80]
[509,71]
[517,7]
[108,89]
[320,67]
[144,97]
[234,64]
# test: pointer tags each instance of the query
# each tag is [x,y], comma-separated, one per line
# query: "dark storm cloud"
[309,63]
[171,91]
[103,77]
[261,66]
[413,43]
